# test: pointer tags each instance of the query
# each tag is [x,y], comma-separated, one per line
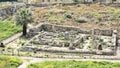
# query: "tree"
[23,17]
[75,1]
[113,1]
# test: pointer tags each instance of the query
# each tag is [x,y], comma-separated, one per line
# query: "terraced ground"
[88,17]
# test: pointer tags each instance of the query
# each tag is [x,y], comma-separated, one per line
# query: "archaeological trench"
[69,39]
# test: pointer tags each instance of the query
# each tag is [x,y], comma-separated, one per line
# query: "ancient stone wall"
[9,11]
[51,27]
[103,32]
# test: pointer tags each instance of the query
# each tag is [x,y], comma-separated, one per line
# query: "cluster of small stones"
[72,39]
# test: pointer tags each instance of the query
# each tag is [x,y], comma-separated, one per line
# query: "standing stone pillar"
[93,37]
[53,28]
[114,40]
[63,45]
[71,46]
[66,36]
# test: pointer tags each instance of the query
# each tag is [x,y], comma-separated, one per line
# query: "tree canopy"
[23,17]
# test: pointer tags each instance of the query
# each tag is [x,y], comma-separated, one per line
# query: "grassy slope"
[97,16]
[7,29]
[8,62]
[74,64]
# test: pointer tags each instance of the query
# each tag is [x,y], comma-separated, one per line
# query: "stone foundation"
[53,28]
[74,37]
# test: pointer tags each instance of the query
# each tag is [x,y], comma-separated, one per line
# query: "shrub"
[9,62]
[68,16]
[51,12]
[81,20]
[75,1]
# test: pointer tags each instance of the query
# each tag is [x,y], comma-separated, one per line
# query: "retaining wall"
[10,10]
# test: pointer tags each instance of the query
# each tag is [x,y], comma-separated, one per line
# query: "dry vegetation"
[89,17]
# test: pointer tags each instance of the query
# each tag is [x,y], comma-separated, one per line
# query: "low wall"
[49,4]
[112,4]
[32,49]
[52,27]
[61,28]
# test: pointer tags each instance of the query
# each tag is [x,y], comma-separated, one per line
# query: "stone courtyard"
[68,39]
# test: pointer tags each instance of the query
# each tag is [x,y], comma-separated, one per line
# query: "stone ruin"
[5,12]
[68,39]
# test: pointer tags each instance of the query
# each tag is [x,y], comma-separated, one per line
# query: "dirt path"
[12,38]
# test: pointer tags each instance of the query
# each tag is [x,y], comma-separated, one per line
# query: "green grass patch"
[9,62]
[74,64]
[7,29]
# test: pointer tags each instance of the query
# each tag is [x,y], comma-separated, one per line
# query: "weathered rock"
[10,10]
[71,47]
